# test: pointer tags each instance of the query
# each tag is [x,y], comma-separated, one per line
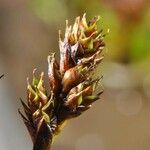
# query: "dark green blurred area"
[29,33]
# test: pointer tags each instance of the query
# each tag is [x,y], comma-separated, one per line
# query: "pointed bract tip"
[67,23]
[42,75]
[98,18]
[60,35]
[84,15]
[34,70]
[28,81]
[108,30]
[48,58]
[77,19]
[51,57]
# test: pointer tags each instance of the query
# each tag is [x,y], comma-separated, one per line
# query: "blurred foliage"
[49,11]
[140,46]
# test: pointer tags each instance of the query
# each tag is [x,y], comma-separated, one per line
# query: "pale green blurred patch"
[49,10]
[140,41]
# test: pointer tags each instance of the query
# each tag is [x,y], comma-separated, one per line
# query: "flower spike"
[73,88]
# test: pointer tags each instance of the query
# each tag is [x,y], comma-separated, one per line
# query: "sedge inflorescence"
[72,86]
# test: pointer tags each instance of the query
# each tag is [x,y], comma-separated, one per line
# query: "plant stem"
[42,145]
[43,139]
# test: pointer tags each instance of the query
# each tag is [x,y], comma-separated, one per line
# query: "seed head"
[72,86]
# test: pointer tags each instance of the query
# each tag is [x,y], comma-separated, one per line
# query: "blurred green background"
[29,33]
